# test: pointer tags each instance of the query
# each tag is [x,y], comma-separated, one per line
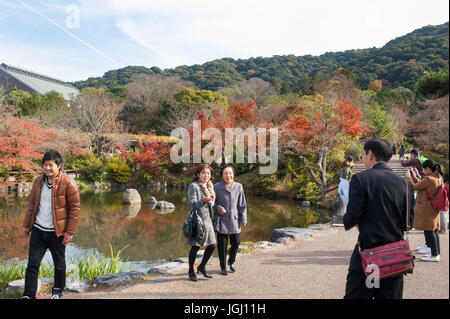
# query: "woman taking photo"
[426,218]
[201,197]
[232,209]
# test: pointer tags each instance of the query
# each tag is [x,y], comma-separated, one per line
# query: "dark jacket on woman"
[233,201]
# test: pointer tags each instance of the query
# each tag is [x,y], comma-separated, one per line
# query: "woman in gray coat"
[232,209]
[201,197]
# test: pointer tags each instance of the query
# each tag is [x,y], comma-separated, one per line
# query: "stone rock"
[19,285]
[131,196]
[265,245]
[164,205]
[306,204]
[75,285]
[168,268]
[131,210]
[152,201]
[110,280]
[280,235]
[47,281]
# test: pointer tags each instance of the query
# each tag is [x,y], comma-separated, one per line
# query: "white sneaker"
[425,251]
[432,258]
[421,247]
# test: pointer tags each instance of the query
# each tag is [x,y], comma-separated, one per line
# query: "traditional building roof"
[11,76]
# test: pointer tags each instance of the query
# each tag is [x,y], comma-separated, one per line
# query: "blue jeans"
[432,240]
[39,242]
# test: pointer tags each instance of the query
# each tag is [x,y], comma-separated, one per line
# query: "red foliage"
[19,142]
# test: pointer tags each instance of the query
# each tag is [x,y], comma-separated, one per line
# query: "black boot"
[202,269]
[192,276]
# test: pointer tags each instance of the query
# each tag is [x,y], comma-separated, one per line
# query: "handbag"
[189,226]
[393,259]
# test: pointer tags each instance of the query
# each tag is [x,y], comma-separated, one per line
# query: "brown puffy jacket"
[65,204]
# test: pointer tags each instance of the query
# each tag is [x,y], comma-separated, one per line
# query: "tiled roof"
[38,82]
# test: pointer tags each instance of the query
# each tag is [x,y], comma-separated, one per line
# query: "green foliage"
[190,97]
[118,170]
[79,161]
[378,120]
[95,171]
[87,268]
[16,271]
[120,92]
[433,85]
[3,172]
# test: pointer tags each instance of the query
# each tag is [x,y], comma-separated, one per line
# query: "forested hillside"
[398,63]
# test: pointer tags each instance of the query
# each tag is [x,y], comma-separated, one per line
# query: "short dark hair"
[415,152]
[223,168]
[200,168]
[52,155]
[380,147]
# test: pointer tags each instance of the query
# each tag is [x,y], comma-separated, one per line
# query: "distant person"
[52,219]
[394,149]
[347,166]
[406,161]
[401,151]
[425,217]
[232,207]
[377,205]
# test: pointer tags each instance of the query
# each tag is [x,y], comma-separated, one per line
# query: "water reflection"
[152,235]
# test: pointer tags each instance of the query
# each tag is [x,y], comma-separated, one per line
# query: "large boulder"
[131,196]
[281,235]
[19,285]
[163,205]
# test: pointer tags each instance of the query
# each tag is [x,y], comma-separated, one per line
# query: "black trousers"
[390,288]
[39,242]
[432,241]
[222,243]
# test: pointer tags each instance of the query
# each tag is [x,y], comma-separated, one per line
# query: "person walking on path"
[347,166]
[426,218]
[232,207]
[412,161]
[401,151]
[51,219]
[377,205]
[201,198]
[394,149]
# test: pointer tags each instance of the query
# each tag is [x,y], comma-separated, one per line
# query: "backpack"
[440,201]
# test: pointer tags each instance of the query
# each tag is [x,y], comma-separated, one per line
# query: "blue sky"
[76,39]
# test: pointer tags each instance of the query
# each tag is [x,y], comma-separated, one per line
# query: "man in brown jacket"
[51,219]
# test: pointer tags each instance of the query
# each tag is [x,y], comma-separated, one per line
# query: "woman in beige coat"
[426,218]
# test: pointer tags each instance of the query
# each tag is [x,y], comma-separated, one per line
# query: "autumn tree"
[316,127]
[94,112]
[21,141]
[254,89]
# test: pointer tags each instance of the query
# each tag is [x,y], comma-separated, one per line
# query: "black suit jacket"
[377,204]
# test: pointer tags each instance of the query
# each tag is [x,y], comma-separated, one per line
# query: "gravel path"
[315,268]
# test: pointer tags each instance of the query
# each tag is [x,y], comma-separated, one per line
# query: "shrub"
[79,161]
[95,172]
[118,170]
[3,172]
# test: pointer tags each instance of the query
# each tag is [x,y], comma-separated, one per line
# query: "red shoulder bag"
[393,259]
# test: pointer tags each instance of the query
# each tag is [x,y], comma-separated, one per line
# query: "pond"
[149,237]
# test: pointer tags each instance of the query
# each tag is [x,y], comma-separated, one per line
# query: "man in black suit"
[377,205]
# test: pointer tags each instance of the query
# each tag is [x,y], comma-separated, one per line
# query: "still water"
[150,237]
